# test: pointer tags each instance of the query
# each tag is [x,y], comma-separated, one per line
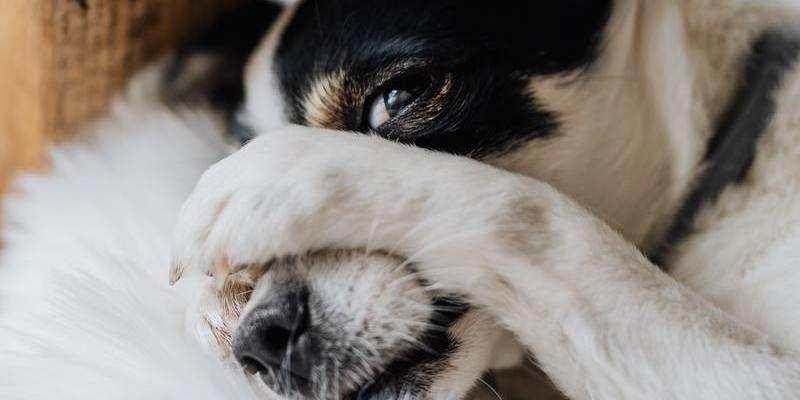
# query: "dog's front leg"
[601,320]
[607,324]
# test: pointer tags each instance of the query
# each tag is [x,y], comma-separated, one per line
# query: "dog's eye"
[389,104]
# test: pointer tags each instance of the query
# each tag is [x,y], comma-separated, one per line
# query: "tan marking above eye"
[330,96]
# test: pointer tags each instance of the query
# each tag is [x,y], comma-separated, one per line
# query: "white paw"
[301,189]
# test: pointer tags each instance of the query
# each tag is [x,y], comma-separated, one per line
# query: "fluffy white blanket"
[86,311]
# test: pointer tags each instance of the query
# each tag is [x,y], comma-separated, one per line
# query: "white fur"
[264,105]
[85,306]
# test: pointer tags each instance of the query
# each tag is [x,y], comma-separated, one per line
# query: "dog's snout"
[275,337]
[341,324]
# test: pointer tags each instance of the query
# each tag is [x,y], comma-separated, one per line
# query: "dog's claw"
[221,267]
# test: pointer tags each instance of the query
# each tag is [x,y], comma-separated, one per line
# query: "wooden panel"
[21,122]
[63,59]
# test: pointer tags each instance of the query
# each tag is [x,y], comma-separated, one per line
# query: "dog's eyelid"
[414,82]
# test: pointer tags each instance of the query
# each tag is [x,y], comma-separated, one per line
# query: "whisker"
[492,389]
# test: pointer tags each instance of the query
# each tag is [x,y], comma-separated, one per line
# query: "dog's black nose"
[274,338]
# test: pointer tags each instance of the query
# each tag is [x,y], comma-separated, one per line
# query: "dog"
[605,189]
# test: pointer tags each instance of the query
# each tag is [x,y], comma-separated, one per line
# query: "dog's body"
[621,127]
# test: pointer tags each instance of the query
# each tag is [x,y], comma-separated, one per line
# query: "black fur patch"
[732,148]
[474,57]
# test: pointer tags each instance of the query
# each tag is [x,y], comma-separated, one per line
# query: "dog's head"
[575,93]
[536,87]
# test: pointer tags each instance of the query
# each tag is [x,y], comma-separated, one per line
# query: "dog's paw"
[300,189]
[250,206]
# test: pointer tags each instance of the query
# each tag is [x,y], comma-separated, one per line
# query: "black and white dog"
[437,190]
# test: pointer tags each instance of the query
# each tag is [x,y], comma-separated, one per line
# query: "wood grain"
[61,61]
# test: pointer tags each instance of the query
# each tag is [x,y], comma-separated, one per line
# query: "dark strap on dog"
[732,148]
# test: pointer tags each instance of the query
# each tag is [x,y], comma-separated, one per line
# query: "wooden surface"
[61,60]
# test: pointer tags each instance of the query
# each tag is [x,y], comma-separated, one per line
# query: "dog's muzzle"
[347,325]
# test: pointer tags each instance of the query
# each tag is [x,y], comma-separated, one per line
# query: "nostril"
[252,365]
[276,338]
